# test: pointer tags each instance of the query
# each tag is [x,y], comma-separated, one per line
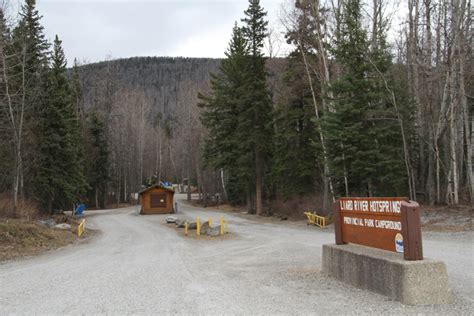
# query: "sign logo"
[399,243]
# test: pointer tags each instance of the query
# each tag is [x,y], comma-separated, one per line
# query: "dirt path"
[138,265]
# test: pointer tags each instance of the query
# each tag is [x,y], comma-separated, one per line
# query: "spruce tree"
[60,180]
[296,163]
[255,119]
[364,142]
[8,159]
[221,117]
[98,174]
[31,51]
[29,57]
[76,90]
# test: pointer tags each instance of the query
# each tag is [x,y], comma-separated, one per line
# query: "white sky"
[93,30]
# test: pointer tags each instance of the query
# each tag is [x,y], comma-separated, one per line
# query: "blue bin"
[79,211]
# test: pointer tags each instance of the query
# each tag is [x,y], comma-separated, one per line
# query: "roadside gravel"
[137,265]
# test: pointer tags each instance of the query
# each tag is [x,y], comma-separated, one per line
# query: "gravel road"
[138,265]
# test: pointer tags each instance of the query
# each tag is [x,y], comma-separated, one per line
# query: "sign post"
[411,229]
[391,224]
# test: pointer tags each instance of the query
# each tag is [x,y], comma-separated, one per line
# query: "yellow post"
[222,225]
[198,227]
[81,228]
[186,228]
[226,228]
[210,221]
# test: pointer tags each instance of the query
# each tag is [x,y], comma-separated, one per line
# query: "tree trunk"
[223,184]
[455,184]
[50,205]
[119,188]
[188,187]
[249,202]
[325,193]
[316,111]
[258,183]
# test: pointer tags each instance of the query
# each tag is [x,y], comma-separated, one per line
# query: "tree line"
[41,137]
[355,114]
[53,153]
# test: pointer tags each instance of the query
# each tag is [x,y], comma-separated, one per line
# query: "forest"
[356,108]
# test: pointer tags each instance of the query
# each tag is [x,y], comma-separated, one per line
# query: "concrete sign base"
[410,282]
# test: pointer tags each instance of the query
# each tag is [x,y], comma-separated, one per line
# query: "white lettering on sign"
[388,224]
[373,223]
[375,206]
[353,221]
[346,205]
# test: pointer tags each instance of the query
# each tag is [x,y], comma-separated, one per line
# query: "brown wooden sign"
[386,223]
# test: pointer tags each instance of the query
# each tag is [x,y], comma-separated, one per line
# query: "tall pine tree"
[31,51]
[295,158]
[255,120]
[60,180]
[362,130]
[221,118]
[97,160]
[30,54]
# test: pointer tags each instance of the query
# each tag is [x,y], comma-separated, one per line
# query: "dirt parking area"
[139,266]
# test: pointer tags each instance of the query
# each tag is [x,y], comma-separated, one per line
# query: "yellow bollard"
[81,228]
[198,227]
[222,225]
[226,228]
[210,221]
[186,228]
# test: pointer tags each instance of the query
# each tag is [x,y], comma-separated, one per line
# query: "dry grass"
[27,209]
[447,218]
[21,238]
[294,207]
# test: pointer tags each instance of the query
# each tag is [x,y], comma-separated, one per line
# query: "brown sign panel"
[385,223]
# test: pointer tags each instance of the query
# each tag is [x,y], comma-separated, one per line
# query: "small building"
[156,200]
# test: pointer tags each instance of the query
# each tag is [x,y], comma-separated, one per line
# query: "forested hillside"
[148,108]
[161,80]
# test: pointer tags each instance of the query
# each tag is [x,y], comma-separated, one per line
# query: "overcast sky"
[93,30]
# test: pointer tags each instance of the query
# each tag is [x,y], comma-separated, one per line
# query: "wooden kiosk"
[156,200]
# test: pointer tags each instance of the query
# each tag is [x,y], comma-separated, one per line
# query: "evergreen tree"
[295,159]
[31,51]
[78,106]
[362,130]
[29,58]
[4,30]
[221,117]
[7,134]
[255,119]
[76,90]
[60,180]
[98,160]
